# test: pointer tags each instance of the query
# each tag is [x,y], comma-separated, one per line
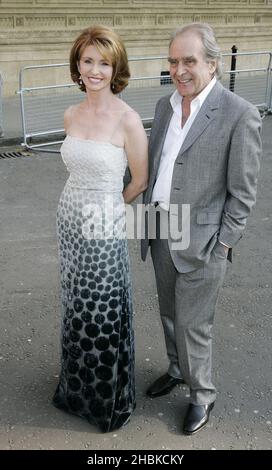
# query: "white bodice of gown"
[94,165]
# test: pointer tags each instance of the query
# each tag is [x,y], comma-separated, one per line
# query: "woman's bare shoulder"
[126,111]
[131,119]
[70,114]
[129,116]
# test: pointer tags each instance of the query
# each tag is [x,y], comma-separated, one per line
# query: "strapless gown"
[97,343]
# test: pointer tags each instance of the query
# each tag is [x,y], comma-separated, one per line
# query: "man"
[204,151]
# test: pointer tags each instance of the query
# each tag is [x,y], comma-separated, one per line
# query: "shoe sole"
[186,433]
[163,393]
[159,395]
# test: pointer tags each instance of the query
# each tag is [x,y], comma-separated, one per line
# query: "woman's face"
[96,71]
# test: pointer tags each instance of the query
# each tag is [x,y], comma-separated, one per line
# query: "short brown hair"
[110,46]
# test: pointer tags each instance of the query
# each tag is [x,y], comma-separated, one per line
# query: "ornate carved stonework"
[42,31]
[135,20]
[174,20]
[85,21]
[7,22]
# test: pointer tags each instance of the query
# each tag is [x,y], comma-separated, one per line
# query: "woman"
[103,135]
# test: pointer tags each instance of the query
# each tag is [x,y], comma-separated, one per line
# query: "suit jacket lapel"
[205,116]
[164,121]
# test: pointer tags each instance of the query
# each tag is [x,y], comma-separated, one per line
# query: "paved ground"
[30,321]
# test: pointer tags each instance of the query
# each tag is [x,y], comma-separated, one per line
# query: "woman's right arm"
[136,151]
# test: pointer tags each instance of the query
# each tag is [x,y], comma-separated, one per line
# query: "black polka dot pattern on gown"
[97,371]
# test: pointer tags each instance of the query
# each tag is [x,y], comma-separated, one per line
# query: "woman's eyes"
[90,62]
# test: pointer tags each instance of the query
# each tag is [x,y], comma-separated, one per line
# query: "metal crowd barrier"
[42,106]
[1,108]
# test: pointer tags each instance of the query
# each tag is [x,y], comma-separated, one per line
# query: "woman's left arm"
[136,150]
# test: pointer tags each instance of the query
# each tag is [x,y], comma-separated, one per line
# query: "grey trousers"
[187,305]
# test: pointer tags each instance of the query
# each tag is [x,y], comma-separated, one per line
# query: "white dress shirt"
[173,141]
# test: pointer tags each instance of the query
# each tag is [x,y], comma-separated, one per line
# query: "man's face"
[189,68]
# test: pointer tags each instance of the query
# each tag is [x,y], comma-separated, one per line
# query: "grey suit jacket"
[215,172]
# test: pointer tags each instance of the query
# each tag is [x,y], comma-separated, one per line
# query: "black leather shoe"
[163,385]
[196,418]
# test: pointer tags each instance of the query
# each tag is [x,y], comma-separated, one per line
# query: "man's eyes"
[175,62]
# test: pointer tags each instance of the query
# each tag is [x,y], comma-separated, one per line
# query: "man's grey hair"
[211,49]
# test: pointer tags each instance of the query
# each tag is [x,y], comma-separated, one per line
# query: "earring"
[80,80]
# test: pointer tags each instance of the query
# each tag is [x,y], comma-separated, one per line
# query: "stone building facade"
[42,31]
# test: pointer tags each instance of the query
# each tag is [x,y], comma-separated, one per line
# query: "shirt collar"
[176,99]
